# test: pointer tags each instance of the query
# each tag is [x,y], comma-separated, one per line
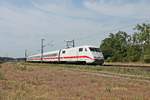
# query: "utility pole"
[73,43]
[70,43]
[42,49]
[25,54]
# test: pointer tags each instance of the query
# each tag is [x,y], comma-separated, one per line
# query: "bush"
[147,54]
[147,58]
[134,53]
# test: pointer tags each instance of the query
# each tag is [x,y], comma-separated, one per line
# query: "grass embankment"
[31,81]
[131,71]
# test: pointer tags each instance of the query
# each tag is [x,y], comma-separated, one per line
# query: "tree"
[143,33]
[115,46]
[133,53]
[143,37]
[123,47]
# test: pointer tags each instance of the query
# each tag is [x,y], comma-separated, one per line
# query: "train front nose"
[99,59]
[98,55]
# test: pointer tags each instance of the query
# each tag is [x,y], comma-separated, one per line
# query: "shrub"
[108,89]
[147,58]
[147,54]
[134,53]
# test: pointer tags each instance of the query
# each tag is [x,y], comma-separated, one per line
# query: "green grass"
[111,69]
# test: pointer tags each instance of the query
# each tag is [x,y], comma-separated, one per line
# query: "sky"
[23,23]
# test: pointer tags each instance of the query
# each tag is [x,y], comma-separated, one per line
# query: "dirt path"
[114,75]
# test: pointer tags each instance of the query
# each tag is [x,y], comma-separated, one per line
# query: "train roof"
[56,51]
[85,46]
[44,53]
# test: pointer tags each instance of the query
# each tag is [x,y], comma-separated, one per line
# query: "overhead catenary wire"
[110,31]
[106,32]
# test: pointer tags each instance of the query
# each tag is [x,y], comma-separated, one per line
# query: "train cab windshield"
[94,49]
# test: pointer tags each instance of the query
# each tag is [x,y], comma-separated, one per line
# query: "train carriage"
[84,54]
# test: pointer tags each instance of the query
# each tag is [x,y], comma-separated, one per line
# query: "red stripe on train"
[66,57]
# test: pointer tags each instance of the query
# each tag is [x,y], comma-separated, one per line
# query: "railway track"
[140,65]
[132,65]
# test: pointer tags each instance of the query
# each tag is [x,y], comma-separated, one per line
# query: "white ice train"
[82,54]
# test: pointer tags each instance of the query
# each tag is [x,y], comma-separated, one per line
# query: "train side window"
[80,49]
[86,49]
[64,52]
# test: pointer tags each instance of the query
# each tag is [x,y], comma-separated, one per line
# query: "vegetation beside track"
[135,71]
[32,81]
[125,47]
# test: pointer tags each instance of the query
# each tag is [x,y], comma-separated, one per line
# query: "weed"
[108,89]
[21,67]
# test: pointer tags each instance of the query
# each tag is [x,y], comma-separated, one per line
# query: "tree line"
[124,47]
